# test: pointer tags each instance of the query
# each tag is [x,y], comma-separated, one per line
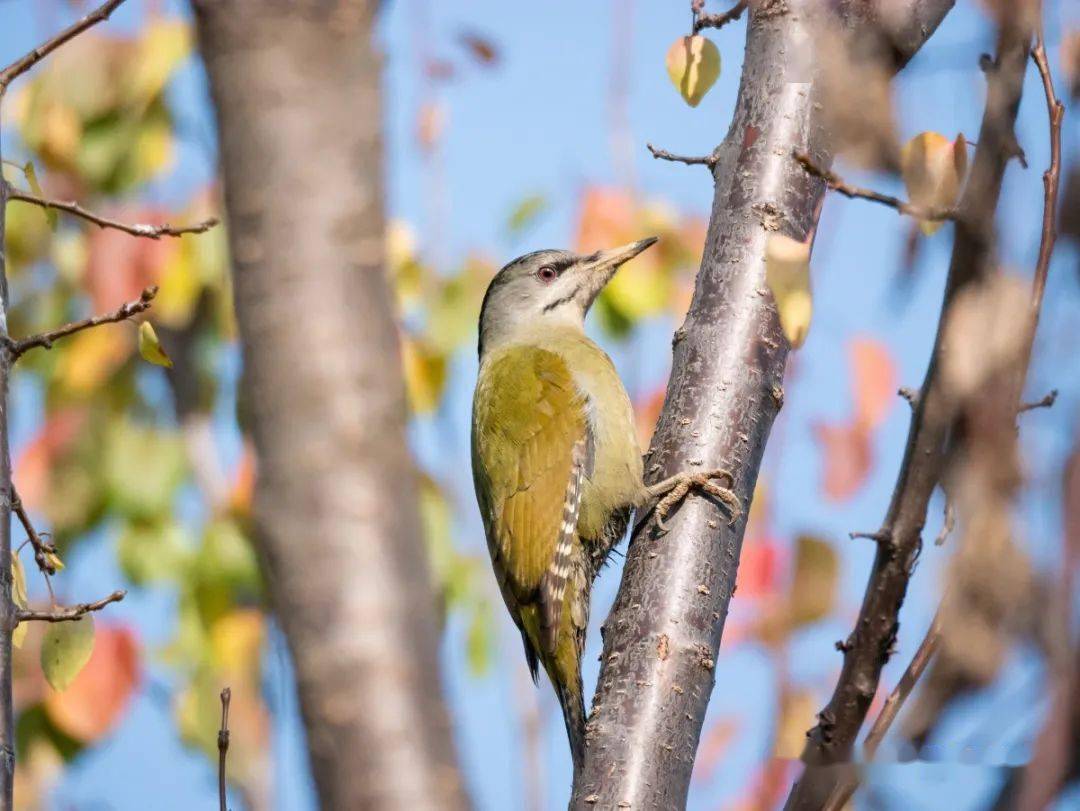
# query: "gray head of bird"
[546,289]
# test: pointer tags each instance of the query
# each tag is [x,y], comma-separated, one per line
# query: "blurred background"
[508,128]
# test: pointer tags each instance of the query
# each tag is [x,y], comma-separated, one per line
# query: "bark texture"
[296,86]
[663,634]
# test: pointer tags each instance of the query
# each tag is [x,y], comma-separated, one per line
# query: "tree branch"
[42,548]
[27,61]
[719,20]
[68,614]
[871,642]
[664,155]
[836,183]
[1046,401]
[729,358]
[121,313]
[223,748]
[135,229]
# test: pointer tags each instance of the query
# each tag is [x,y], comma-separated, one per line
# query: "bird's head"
[548,288]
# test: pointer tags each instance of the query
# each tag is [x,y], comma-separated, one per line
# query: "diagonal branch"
[28,60]
[836,183]
[870,644]
[68,614]
[45,339]
[42,548]
[135,229]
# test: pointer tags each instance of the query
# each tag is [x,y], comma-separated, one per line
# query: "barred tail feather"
[573,707]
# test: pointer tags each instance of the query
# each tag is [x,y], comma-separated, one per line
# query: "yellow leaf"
[164,44]
[90,357]
[693,63]
[54,560]
[18,596]
[150,347]
[813,589]
[933,169]
[66,649]
[796,716]
[425,374]
[787,272]
[35,187]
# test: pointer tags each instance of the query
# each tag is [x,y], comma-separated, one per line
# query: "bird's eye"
[547,274]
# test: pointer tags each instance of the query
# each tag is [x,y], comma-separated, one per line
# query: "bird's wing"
[532,449]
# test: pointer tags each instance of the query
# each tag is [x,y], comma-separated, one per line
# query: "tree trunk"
[297,92]
[663,634]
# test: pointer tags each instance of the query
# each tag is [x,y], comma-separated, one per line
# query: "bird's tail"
[573,708]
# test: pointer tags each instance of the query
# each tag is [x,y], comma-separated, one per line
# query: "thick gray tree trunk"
[296,86]
[663,634]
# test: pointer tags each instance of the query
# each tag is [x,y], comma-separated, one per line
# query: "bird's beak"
[601,266]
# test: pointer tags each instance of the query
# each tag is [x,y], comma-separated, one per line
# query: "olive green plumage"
[556,462]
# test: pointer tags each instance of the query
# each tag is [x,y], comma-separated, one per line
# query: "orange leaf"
[31,469]
[873,381]
[848,458]
[98,696]
[606,219]
[647,412]
[714,745]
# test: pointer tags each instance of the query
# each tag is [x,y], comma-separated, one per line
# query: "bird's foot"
[672,490]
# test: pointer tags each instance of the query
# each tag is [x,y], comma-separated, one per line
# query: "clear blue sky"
[541,123]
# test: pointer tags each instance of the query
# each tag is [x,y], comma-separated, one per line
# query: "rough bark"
[663,634]
[7,606]
[296,87]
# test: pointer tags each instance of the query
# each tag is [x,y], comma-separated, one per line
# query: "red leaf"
[848,458]
[120,267]
[97,698]
[760,565]
[873,380]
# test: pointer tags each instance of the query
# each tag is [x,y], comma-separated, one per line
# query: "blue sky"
[541,123]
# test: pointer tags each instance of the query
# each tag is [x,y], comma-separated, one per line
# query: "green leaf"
[153,553]
[18,595]
[150,347]
[142,467]
[525,214]
[66,649]
[31,177]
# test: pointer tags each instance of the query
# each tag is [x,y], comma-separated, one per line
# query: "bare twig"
[909,394]
[836,183]
[68,614]
[919,662]
[223,747]
[121,313]
[137,229]
[27,61]
[719,20]
[949,522]
[1051,181]
[664,155]
[1046,401]
[42,547]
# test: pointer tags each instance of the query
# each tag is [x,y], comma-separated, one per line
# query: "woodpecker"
[556,462]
